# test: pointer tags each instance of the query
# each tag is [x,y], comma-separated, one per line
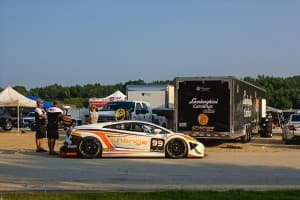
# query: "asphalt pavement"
[221,170]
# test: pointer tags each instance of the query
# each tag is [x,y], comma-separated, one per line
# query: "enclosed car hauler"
[217,107]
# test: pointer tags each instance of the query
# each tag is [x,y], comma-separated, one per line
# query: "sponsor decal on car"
[157,144]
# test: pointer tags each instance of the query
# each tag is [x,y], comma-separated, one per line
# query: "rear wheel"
[90,147]
[176,148]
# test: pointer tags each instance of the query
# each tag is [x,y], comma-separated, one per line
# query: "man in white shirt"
[40,125]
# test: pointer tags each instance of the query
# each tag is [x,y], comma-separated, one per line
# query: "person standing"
[93,115]
[40,125]
[54,114]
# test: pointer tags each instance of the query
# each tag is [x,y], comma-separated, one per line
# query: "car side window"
[114,126]
[138,108]
[153,129]
[122,126]
[145,107]
[136,127]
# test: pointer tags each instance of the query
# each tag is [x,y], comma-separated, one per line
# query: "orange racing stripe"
[104,139]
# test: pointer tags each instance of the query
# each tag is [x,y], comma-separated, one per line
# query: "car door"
[129,135]
[138,115]
[142,136]
[147,113]
[155,136]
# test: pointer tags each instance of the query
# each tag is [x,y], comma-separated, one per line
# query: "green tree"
[21,89]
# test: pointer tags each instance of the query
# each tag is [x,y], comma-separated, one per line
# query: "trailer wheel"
[176,148]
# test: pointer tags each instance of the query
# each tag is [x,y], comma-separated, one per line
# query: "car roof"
[101,125]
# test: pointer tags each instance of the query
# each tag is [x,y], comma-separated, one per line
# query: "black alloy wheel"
[90,147]
[176,148]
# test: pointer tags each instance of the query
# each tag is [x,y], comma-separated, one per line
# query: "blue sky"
[73,42]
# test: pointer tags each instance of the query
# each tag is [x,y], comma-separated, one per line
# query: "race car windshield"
[113,106]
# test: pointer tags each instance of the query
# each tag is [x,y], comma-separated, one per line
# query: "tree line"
[282,93]
[79,95]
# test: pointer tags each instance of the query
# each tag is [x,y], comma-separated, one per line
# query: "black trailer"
[217,107]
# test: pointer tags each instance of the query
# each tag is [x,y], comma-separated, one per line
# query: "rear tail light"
[291,128]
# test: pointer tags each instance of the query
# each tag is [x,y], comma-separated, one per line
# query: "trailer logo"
[207,106]
[203,119]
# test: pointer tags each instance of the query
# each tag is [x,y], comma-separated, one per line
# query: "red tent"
[100,102]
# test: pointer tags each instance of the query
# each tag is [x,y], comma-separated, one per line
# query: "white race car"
[129,139]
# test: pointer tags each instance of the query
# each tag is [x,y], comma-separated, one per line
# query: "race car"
[129,139]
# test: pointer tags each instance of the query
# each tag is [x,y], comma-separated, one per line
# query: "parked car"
[28,121]
[6,122]
[291,130]
[129,139]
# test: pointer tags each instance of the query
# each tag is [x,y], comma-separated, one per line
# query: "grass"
[165,195]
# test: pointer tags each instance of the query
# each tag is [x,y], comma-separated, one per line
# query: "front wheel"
[176,148]
[90,147]
[8,126]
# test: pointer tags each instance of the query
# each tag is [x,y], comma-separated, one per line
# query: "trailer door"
[203,106]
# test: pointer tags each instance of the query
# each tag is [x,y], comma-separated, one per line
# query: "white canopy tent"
[11,98]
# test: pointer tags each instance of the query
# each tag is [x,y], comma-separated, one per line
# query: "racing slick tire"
[90,147]
[176,148]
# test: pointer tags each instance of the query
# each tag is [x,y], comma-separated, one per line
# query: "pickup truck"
[130,110]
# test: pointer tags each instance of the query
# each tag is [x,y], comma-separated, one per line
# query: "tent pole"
[18,118]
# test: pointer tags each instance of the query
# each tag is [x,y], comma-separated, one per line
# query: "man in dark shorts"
[54,117]
[40,125]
